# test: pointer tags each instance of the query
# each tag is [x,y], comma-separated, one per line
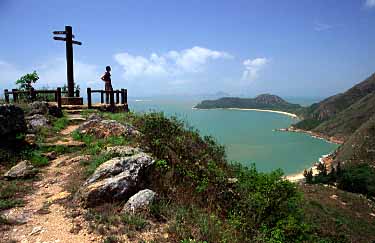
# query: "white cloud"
[171,63]
[252,68]
[322,27]
[190,60]
[370,3]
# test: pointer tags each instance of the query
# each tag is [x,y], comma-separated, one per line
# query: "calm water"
[248,136]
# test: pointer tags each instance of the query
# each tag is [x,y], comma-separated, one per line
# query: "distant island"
[262,102]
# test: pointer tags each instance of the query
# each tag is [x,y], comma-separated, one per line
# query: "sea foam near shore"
[248,109]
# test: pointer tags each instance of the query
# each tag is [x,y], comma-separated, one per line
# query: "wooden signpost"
[70,100]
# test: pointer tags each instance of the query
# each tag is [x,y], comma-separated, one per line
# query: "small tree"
[308,176]
[332,174]
[322,169]
[25,82]
[338,169]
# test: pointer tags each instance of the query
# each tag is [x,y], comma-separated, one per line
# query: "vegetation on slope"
[318,113]
[201,197]
[264,101]
[345,123]
[360,147]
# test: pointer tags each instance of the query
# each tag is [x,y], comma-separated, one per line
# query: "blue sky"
[311,48]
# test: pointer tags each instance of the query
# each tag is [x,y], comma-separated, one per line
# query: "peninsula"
[263,102]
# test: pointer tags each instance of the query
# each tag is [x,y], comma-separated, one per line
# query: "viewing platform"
[114,101]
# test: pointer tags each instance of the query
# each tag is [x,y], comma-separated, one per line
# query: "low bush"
[353,178]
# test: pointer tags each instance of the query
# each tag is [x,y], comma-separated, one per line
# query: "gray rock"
[38,107]
[115,179]
[44,108]
[55,111]
[139,201]
[105,128]
[12,121]
[50,155]
[23,169]
[94,117]
[121,151]
[36,122]
[30,139]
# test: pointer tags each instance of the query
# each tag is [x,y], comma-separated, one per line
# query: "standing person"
[107,80]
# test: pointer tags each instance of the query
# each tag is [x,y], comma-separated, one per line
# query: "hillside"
[326,117]
[360,147]
[264,101]
[349,117]
[349,120]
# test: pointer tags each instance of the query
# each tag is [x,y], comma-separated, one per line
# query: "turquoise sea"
[248,136]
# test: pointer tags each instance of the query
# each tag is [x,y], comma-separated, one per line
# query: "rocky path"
[43,218]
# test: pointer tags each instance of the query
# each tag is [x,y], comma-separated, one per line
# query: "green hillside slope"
[327,109]
[349,120]
[360,147]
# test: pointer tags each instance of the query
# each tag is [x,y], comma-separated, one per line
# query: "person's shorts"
[108,87]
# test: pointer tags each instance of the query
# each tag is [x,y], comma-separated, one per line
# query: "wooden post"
[32,94]
[15,95]
[89,104]
[122,96]
[58,94]
[126,96]
[69,55]
[117,96]
[69,60]
[102,96]
[112,98]
[6,96]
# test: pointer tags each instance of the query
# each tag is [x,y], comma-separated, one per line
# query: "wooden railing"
[110,97]
[106,97]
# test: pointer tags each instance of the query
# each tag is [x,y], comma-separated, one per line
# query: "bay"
[248,136]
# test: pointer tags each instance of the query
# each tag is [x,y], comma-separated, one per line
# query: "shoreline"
[250,109]
[298,177]
[328,139]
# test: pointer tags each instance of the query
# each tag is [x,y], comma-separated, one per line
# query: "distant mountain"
[264,101]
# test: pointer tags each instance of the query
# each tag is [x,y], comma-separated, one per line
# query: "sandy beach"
[246,109]
[298,177]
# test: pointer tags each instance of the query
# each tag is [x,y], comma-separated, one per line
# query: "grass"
[340,219]
[11,193]
[95,147]
[60,123]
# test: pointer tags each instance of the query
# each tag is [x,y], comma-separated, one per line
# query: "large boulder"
[140,201]
[38,107]
[23,169]
[36,122]
[44,108]
[12,121]
[100,128]
[115,179]
[122,151]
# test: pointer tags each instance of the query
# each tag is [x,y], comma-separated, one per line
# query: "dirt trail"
[44,219]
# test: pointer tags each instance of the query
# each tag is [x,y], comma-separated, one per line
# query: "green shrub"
[358,179]
[134,221]
[9,192]
[60,123]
